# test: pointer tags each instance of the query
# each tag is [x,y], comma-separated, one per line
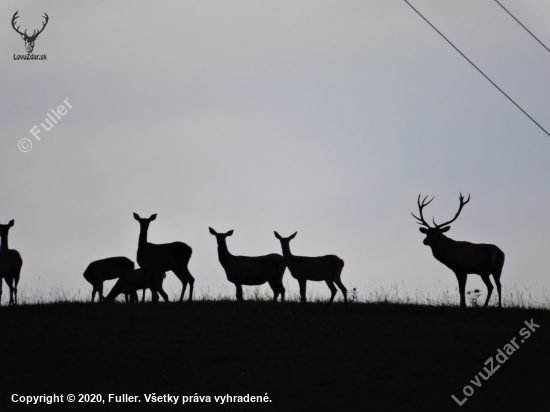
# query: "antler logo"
[29,40]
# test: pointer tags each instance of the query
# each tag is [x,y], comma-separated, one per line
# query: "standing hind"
[10,264]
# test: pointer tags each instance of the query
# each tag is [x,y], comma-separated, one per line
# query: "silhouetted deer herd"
[463,258]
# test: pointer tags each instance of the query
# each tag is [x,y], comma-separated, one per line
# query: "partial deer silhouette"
[107,269]
[322,268]
[165,257]
[462,258]
[251,270]
[138,279]
[10,264]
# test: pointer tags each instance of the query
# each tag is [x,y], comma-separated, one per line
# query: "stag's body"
[164,257]
[139,279]
[251,270]
[322,268]
[107,269]
[10,264]
[463,258]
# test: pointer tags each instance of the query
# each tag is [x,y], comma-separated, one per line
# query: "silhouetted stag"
[462,258]
[139,279]
[251,271]
[322,268]
[10,264]
[107,269]
[165,257]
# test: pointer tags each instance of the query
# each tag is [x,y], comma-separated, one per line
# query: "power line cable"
[477,68]
[527,30]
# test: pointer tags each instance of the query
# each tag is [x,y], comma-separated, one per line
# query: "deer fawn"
[162,258]
[107,269]
[251,271]
[302,268]
[10,264]
[462,258]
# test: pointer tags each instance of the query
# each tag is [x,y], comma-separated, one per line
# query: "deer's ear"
[212,231]
[423,230]
[229,233]
[153,217]
[11,223]
[293,236]
[277,235]
[445,229]
[136,216]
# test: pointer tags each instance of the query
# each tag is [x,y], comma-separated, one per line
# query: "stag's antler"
[34,33]
[462,203]
[43,26]
[15,16]
[420,207]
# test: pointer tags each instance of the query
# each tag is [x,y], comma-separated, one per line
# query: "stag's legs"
[497,282]
[15,288]
[0,290]
[163,294]
[100,291]
[462,288]
[487,280]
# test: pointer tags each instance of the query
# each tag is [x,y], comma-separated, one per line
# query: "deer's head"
[29,40]
[4,229]
[285,241]
[143,222]
[436,232]
[220,237]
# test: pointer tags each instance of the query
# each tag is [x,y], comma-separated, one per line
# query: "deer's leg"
[10,286]
[0,290]
[275,290]
[461,277]
[239,288]
[342,288]
[497,282]
[333,291]
[100,291]
[16,282]
[487,280]
[303,284]
[143,295]
[191,284]
[163,294]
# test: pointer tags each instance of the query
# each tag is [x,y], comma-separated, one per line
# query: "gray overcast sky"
[322,117]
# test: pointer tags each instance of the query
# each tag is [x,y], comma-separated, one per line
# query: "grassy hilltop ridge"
[378,357]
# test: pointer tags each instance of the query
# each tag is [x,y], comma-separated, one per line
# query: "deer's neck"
[286,251]
[142,241]
[443,247]
[4,245]
[223,252]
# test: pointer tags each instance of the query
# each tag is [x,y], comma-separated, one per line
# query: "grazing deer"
[162,258]
[138,279]
[462,258]
[304,268]
[107,269]
[251,271]
[10,264]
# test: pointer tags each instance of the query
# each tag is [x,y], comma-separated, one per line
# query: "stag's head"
[4,229]
[436,232]
[143,222]
[29,40]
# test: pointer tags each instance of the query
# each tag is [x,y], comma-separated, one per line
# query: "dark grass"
[371,357]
